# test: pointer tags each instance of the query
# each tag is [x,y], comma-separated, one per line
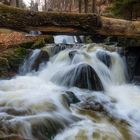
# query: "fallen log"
[66,23]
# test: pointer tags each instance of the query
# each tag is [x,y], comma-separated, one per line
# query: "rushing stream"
[79,94]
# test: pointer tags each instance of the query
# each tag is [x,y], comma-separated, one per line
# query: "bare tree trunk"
[94,10]
[17,3]
[80,6]
[45,5]
[86,6]
[70,6]
[13,3]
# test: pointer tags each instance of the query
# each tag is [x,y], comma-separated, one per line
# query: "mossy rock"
[88,39]
[39,43]
[12,57]
[10,60]
[49,39]
[4,67]
[122,41]
[16,59]
[26,45]
[3,64]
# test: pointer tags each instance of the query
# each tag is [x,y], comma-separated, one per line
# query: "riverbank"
[14,47]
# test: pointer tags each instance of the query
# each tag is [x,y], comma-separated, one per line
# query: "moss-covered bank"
[13,56]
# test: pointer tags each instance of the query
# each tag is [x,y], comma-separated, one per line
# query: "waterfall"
[28,62]
[61,39]
[78,94]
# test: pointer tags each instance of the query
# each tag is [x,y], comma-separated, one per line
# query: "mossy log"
[67,23]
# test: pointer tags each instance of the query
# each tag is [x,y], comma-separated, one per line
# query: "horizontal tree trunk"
[66,23]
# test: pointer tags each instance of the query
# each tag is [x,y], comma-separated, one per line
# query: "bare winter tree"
[45,5]
[86,6]
[80,6]
[94,10]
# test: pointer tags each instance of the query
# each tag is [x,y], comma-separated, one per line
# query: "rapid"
[79,94]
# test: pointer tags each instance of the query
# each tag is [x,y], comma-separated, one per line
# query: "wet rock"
[82,76]
[4,67]
[72,54]
[104,57]
[43,57]
[15,111]
[12,137]
[10,60]
[47,129]
[93,105]
[38,43]
[48,38]
[59,47]
[69,98]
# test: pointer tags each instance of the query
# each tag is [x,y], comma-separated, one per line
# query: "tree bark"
[45,5]
[94,6]
[86,6]
[66,23]
[80,6]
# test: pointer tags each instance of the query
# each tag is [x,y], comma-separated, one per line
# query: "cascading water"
[28,63]
[80,94]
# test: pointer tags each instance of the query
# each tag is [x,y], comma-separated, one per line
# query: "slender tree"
[17,3]
[94,10]
[86,6]
[80,6]
[45,5]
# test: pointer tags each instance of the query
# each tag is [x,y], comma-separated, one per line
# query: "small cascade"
[65,39]
[28,62]
[80,93]
[33,61]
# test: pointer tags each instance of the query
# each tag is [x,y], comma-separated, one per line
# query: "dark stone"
[82,76]
[46,129]
[58,48]
[10,59]
[93,105]
[42,58]
[104,57]
[72,54]
[39,43]
[15,111]
[69,98]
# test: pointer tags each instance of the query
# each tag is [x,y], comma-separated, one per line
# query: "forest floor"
[10,38]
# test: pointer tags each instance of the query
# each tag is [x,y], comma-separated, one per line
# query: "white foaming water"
[35,107]
[28,63]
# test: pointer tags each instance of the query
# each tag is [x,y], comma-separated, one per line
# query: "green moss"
[49,39]
[26,45]
[11,59]
[38,43]
[16,57]
[88,39]
[4,67]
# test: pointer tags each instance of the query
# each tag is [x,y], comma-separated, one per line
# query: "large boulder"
[72,54]
[104,57]
[10,59]
[69,98]
[82,76]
